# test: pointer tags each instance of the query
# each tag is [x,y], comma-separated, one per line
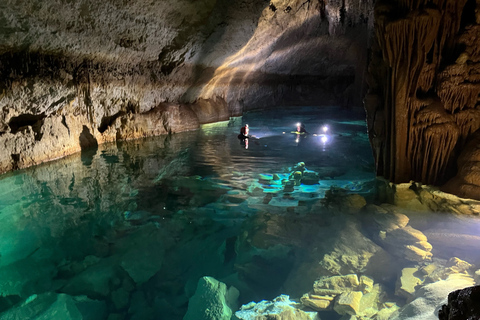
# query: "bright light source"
[298,124]
[325,128]
[324,139]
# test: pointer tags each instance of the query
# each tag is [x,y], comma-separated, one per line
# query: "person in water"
[301,128]
[244,131]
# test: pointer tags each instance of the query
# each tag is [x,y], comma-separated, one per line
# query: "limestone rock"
[431,296]
[316,302]
[354,203]
[212,301]
[336,285]
[348,303]
[164,67]
[407,283]
[281,308]
[458,265]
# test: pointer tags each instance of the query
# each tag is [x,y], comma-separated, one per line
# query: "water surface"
[134,225]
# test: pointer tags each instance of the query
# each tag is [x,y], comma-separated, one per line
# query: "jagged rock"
[281,308]
[366,284]
[431,296]
[462,304]
[407,283]
[458,265]
[317,302]
[212,301]
[405,197]
[408,243]
[348,303]
[336,285]
[372,301]
[385,219]
[428,128]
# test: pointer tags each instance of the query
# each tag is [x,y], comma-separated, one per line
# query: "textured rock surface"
[423,92]
[212,301]
[462,304]
[78,73]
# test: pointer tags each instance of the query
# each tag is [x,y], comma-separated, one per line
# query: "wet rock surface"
[80,73]
[462,304]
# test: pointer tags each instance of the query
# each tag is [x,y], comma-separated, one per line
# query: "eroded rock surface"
[76,74]
[423,91]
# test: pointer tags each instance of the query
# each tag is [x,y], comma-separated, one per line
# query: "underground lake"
[278,222]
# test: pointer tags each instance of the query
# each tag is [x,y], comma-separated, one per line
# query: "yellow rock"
[348,303]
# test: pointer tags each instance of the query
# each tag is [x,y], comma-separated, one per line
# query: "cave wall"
[423,97]
[76,73]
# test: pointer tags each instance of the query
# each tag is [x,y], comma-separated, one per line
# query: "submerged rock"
[212,301]
[281,308]
[57,306]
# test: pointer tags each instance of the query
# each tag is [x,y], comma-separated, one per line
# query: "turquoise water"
[127,230]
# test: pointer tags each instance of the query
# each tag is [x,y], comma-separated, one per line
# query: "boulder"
[462,304]
[317,302]
[348,303]
[212,301]
[407,283]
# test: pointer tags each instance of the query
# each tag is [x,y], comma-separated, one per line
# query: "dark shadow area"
[89,146]
[22,121]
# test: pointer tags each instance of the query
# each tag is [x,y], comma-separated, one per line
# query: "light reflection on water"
[144,220]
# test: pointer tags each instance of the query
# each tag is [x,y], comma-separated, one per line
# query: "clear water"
[136,224]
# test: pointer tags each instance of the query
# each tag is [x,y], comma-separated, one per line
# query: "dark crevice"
[22,121]
[272,7]
[343,13]
[109,120]
[15,160]
[468,14]
[64,122]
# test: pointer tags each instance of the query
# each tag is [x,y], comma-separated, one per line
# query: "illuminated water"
[134,225]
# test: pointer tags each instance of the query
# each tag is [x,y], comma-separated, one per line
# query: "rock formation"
[79,73]
[423,92]
[462,304]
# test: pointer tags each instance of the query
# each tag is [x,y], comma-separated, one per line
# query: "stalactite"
[413,37]
[426,78]
[468,122]
[434,136]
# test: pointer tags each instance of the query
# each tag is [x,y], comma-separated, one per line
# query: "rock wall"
[79,73]
[422,104]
